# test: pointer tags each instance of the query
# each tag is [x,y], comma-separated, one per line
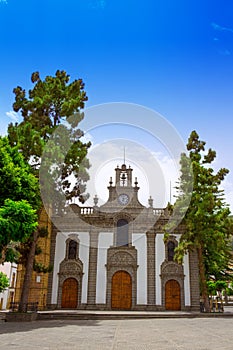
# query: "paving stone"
[150,334]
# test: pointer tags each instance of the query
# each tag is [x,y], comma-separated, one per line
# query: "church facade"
[114,256]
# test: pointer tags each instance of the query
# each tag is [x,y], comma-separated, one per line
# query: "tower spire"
[124,155]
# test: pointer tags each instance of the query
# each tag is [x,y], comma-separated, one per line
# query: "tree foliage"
[19,198]
[216,286]
[49,102]
[52,102]
[17,221]
[16,179]
[4,281]
[207,222]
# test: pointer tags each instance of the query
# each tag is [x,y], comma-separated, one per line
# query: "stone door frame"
[121,259]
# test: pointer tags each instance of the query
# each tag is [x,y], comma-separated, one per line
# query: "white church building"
[114,257]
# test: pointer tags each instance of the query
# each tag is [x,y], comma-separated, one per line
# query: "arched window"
[171,250]
[122,237]
[72,253]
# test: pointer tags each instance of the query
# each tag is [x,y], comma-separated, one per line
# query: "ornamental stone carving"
[122,257]
[171,268]
[70,268]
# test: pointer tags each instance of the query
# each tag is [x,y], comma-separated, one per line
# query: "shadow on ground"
[15,327]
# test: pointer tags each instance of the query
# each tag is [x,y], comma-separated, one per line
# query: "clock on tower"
[123,199]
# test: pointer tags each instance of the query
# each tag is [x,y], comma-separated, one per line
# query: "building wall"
[60,252]
[139,241]
[10,269]
[160,257]
[39,281]
[105,241]
[187,299]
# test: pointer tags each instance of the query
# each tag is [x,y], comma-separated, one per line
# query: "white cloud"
[218,28]
[102,3]
[95,4]
[227,183]
[154,171]
[227,187]
[221,28]
[13,115]
[87,137]
[225,52]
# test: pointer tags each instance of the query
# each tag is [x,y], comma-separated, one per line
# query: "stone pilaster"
[150,235]
[194,281]
[92,269]
[52,257]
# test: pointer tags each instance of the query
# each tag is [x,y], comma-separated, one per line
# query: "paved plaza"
[147,334]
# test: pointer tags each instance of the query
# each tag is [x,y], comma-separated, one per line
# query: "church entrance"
[172,295]
[69,294]
[121,290]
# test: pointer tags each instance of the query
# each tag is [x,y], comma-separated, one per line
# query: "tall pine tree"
[207,222]
[52,102]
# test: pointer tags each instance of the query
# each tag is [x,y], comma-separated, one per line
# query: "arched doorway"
[172,295]
[69,294]
[121,290]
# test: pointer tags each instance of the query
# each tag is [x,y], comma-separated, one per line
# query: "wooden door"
[172,295]
[121,290]
[69,294]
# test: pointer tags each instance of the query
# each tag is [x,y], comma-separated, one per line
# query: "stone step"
[122,316]
[107,315]
[2,316]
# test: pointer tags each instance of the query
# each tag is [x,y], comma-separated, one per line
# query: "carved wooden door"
[69,294]
[121,290]
[172,295]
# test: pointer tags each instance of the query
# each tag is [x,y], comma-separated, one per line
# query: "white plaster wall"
[60,255]
[139,241]
[7,268]
[3,298]
[160,256]
[187,300]
[105,241]
[84,257]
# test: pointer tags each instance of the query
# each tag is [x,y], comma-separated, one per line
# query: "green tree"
[19,198]
[211,287]
[207,222]
[221,285]
[4,281]
[52,102]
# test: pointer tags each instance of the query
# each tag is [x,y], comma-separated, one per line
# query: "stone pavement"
[146,334]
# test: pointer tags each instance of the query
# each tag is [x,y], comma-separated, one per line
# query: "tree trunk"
[204,291]
[3,256]
[28,274]
[225,297]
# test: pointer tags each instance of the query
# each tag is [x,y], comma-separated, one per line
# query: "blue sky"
[175,57]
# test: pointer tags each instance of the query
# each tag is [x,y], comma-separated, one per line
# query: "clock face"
[123,199]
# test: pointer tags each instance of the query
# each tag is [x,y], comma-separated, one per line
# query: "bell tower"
[123,176]
[123,192]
